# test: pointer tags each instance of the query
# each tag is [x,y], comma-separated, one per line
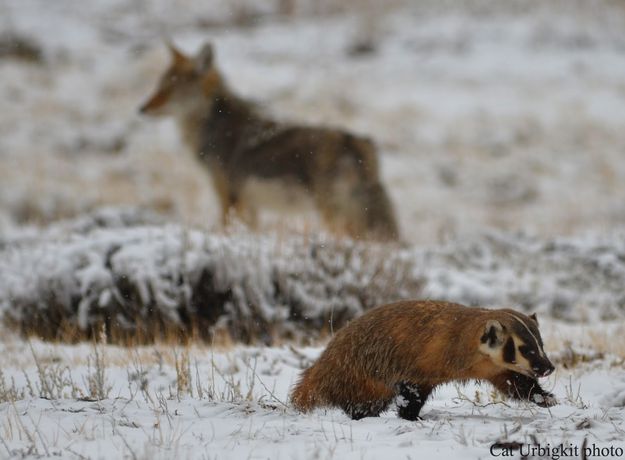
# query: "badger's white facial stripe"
[538,347]
[506,353]
[513,347]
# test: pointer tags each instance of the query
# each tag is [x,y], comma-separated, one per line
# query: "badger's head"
[512,340]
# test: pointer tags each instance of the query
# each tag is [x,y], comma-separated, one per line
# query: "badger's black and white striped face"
[515,343]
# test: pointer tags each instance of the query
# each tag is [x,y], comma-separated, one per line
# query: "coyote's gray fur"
[338,170]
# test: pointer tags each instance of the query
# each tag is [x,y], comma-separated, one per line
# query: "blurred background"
[487,114]
[500,128]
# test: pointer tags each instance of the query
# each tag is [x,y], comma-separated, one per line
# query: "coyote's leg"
[375,211]
[329,205]
[244,211]
[229,196]
[221,183]
[359,209]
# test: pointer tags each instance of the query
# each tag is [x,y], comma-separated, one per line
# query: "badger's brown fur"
[402,351]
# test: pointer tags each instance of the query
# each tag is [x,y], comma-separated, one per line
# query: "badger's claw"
[544,400]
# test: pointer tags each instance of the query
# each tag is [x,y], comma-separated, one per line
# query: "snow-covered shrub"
[145,280]
[576,278]
[140,278]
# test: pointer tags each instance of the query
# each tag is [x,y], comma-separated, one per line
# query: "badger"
[402,351]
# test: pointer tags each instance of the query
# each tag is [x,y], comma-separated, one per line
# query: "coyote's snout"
[337,170]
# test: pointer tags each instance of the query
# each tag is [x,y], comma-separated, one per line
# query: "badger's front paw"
[544,400]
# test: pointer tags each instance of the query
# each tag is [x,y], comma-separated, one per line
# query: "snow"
[148,271]
[102,266]
[499,127]
[235,408]
[462,99]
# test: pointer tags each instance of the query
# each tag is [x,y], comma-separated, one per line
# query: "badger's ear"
[534,317]
[204,59]
[494,333]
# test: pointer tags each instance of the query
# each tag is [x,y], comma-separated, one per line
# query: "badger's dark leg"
[519,386]
[360,396]
[410,399]
[358,410]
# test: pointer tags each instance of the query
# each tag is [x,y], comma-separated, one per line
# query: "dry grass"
[20,47]
[267,290]
[155,180]
[576,347]
[90,377]
[63,379]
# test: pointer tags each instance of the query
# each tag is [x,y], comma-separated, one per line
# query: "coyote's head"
[187,84]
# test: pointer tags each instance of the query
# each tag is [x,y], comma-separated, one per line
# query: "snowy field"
[486,115]
[198,402]
[501,140]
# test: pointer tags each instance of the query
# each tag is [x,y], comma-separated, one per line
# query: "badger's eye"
[526,351]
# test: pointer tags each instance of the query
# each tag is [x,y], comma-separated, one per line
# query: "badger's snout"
[543,368]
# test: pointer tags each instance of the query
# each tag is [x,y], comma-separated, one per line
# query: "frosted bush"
[139,278]
[144,278]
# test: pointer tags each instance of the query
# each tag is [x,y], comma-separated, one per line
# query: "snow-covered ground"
[92,400]
[500,130]
[199,402]
[487,114]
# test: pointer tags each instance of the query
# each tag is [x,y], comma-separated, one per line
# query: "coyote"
[337,170]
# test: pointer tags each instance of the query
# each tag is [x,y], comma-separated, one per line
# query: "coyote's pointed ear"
[493,334]
[178,57]
[534,317]
[204,59]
